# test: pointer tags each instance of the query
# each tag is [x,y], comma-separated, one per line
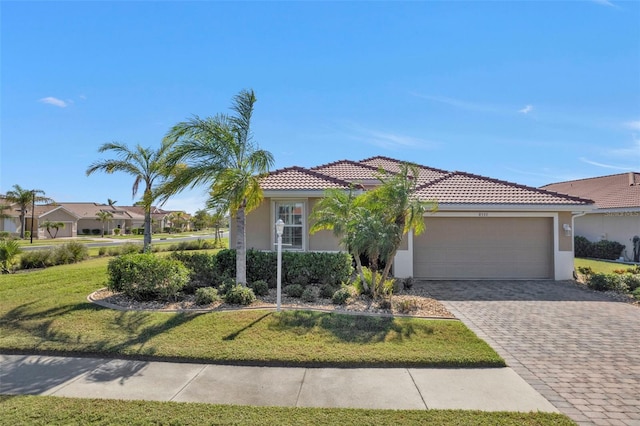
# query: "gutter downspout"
[573,230]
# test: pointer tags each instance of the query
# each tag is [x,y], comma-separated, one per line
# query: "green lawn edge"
[50,410]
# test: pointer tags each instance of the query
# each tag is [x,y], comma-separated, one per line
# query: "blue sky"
[529,92]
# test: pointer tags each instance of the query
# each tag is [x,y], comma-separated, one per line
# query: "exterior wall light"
[567,229]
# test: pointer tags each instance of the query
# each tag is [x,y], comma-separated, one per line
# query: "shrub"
[206,295]
[293,290]
[96,231]
[71,252]
[227,284]
[309,295]
[27,235]
[4,235]
[86,231]
[36,259]
[603,249]
[9,251]
[202,269]
[131,248]
[116,231]
[341,295]
[326,291]
[406,306]
[260,288]
[636,293]
[240,295]
[102,251]
[632,281]
[585,270]
[407,283]
[390,286]
[146,276]
[607,282]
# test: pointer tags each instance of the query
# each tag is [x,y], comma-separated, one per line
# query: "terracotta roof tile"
[348,170]
[426,174]
[465,188]
[613,191]
[297,178]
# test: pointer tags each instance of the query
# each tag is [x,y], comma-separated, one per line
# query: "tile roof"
[298,178]
[348,170]
[426,174]
[614,191]
[466,188]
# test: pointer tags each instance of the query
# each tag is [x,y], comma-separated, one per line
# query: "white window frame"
[274,217]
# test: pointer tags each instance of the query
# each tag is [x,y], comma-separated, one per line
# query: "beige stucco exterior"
[620,226]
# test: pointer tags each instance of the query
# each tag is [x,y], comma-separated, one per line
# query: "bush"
[636,293]
[96,231]
[341,296]
[71,252]
[27,235]
[326,291]
[406,306]
[293,290]
[202,269]
[607,282]
[36,259]
[102,251]
[390,286]
[260,288]
[206,295]
[240,295]
[86,231]
[604,249]
[309,295]
[9,251]
[407,283]
[146,276]
[4,235]
[116,231]
[227,284]
[632,281]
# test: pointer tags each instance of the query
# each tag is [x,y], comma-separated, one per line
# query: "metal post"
[279,229]
[33,209]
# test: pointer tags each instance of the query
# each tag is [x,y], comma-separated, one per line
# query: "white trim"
[56,209]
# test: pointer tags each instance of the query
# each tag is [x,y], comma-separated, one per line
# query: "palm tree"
[25,198]
[219,152]
[104,217]
[49,225]
[146,165]
[112,203]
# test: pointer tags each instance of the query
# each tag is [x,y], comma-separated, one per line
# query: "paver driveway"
[579,349]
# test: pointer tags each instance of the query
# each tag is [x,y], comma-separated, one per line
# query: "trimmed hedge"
[144,276]
[202,269]
[604,249]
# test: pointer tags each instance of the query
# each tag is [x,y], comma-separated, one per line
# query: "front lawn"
[47,311]
[600,266]
[47,410]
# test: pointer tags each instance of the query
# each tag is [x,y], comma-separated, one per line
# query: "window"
[292,214]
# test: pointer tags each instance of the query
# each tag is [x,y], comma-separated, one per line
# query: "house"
[81,219]
[484,228]
[617,213]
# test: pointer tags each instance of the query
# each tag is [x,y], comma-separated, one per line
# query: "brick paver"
[580,349]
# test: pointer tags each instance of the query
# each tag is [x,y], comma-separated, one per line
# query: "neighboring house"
[484,228]
[81,219]
[617,213]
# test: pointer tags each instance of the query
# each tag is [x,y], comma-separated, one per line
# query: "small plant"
[636,293]
[86,231]
[102,251]
[341,296]
[207,295]
[4,235]
[632,281]
[309,295]
[116,231]
[227,284]
[36,259]
[384,304]
[294,290]
[9,251]
[607,282]
[407,283]
[406,306]
[27,235]
[260,288]
[326,291]
[240,295]
[585,270]
[96,231]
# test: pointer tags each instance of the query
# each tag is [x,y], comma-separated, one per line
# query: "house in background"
[81,219]
[484,228]
[617,213]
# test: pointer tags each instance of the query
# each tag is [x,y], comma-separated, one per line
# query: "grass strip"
[46,410]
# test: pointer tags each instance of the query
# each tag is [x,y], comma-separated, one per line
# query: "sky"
[532,92]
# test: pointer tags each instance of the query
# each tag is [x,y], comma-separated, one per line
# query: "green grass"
[41,410]
[599,266]
[47,311]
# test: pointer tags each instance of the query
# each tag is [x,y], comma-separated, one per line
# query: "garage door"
[484,248]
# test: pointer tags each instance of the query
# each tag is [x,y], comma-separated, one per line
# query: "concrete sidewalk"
[494,389]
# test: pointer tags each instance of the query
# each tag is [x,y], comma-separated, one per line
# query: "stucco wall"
[258,228]
[321,240]
[565,242]
[619,226]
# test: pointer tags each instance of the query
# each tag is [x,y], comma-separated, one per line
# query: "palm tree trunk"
[241,250]
[23,220]
[360,272]
[147,229]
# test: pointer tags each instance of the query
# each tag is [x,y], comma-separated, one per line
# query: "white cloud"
[633,125]
[386,140]
[606,166]
[54,101]
[526,110]
[460,103]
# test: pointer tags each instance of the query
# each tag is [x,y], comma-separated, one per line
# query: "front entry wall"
[485,248]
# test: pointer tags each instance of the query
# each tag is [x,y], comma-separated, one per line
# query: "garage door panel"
[485,248]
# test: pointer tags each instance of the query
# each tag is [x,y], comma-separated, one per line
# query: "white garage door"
[484,248]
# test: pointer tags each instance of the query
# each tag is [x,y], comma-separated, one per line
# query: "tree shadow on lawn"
[134,324]
[347,328]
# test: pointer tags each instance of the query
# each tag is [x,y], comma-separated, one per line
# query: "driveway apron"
[579,349]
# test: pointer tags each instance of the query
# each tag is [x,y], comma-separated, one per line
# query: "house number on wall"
[483,214]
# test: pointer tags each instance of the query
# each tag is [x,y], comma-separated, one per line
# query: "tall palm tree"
[146,165]
[104,216]
[25,198]
[219,152]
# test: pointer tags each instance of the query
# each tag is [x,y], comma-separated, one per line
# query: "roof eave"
[515,207]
